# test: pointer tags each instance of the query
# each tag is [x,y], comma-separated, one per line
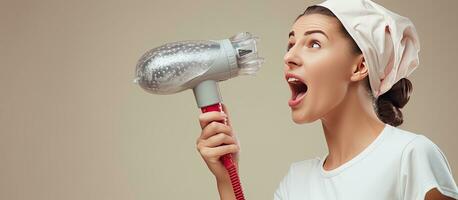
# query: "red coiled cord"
[227,159]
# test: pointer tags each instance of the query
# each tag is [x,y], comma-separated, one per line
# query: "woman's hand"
[215,140]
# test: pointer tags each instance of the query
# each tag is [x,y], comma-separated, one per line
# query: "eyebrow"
[309,32]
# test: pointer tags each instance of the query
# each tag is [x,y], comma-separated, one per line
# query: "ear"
[359,69]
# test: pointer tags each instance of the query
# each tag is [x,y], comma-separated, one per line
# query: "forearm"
[225,190]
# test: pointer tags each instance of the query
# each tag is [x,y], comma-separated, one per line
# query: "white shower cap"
[389,42]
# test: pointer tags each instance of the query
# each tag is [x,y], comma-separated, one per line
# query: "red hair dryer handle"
[227,159]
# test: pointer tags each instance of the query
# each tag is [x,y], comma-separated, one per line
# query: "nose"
[292,59]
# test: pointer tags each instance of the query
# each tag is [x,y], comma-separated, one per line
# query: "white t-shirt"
[397,165]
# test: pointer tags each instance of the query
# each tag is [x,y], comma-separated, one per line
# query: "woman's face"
[320,56]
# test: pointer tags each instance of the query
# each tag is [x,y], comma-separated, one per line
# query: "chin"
[301,118]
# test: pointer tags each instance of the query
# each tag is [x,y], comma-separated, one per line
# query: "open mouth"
[298,88]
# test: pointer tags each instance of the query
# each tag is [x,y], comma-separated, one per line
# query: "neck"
[350,127]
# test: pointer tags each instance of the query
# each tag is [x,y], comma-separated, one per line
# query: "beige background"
[74,126]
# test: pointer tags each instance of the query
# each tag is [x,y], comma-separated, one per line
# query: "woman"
[349,70]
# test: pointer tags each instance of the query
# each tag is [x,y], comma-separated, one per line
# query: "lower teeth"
[300,95]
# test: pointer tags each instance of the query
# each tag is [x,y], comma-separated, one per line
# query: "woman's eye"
[315,44]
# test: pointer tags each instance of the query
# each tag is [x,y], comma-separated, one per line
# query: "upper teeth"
[292,79]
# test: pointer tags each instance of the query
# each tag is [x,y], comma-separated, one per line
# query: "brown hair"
[388,105]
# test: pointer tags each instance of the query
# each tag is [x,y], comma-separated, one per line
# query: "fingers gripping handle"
[227,159]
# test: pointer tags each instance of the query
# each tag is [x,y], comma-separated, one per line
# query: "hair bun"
[390,102]
[399,94]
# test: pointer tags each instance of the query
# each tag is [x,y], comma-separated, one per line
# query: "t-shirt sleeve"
[424,167]
[282,189]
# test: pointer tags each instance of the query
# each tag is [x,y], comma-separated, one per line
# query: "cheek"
[327,81]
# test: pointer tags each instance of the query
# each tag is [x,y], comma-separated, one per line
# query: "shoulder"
[303,167]
[402,137]
[305,164]
[302,170]
[422,149]
[421,143]
[297,171]
[408,142]
[417,147]
[423,167]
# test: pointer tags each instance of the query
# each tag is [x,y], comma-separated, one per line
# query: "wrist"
[223,181]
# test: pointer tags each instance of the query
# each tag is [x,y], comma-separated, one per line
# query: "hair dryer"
[199,65]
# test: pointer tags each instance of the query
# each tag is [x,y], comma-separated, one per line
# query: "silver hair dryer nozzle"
[178,66]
